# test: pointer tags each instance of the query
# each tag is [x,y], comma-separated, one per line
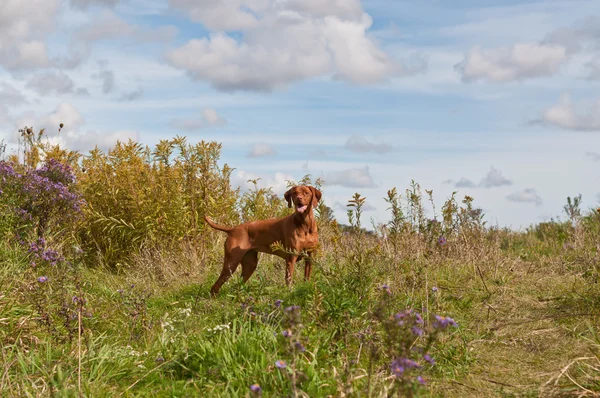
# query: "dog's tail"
[217,226]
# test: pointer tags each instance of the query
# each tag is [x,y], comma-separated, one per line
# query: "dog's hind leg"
[230,263]
[249,263]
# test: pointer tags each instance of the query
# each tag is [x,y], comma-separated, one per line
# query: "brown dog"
[296,232]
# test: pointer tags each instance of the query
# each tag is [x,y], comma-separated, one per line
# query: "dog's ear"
[316,196]
[288,196]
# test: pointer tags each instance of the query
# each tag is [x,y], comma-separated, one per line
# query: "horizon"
[365,94]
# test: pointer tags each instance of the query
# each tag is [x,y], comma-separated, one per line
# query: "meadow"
[107,266]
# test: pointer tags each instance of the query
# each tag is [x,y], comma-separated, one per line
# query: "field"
[107,265]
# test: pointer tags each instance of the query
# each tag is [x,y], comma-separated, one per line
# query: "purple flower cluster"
[442,322]
[39,250]
[40,197]
[400,365]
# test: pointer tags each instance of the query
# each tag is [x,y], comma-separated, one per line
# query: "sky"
[498,100]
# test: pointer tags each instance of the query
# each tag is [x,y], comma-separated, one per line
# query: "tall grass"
[115,301]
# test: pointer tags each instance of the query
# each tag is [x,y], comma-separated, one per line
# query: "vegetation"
[107,264]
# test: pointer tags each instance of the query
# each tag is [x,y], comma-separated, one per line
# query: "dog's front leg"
[290,262]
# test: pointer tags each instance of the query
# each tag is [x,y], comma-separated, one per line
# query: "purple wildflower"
[299,346]
[159,359]
[442,241]
[293,308]
[418,318]
[277,304]
[287,333]
[429,359]
[42,279]
[255,388]
[397,370]
[421,380]
[416,331]
[442,322]
[434,289]
[279,364]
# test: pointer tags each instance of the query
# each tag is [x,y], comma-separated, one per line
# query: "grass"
[528,321]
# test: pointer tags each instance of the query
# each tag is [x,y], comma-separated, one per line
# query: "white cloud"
[351,178]
[53,83]
[73,135]
[505,64]
[261,150]
[342,207]
[210,117]
[583,116]
[528,195]
[22,30]
[278,181]
[283,42]
[360,144]
[85,141]
[64,113]
[494,178]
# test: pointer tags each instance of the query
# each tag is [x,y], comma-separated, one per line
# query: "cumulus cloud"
[342,207]
[283,42]
[210,117]
[23,30]
[351,178]
[582,116]
[492,179]
[73,135]
[360,144]
[64,113]
[528,195]
[54,83]
[85,141]
[531,60]
[261,150]
[521,61]
[278,181]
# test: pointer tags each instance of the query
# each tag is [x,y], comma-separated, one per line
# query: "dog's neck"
[305,219]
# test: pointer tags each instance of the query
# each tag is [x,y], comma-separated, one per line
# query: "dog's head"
[302,197]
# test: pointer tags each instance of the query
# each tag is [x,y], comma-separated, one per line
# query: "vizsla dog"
[296,232]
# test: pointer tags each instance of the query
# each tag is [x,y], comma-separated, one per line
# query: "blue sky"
[499,100]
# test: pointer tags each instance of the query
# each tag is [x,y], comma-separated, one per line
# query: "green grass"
[528,321]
